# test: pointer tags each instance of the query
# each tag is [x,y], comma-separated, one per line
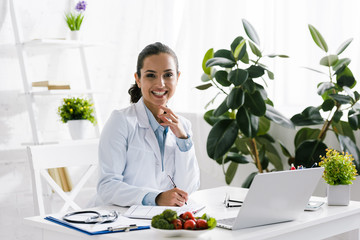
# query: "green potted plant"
[240,124]
[340,107]
[75,18]
[78,113]
[339,172]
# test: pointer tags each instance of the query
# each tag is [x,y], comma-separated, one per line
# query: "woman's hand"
[171,120]
[173,197]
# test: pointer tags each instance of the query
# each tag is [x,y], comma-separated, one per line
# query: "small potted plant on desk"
[339,172]
[78,113]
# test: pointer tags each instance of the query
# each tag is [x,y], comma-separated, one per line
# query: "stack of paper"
[147,212]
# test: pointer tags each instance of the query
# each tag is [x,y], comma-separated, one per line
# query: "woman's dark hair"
[149,50]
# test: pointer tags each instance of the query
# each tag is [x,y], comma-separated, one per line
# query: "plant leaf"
[221,109]
[237,158]
[314,70]
[221,137]
[275,116]
[264,125]
[330,60]
[277,55]
[238,76]
[342,99]
[208,55]
[343,46]
[236,43]
[318,39]
[327,105]
[270,151]
[346,78]
[255,71]
[250,32]
[343,128]
[240,50]
[305,134]
[220,61]
[204,86]
[284,150]
[309,152]
[341,63]
[236,98]
[255,50]
[354,119]
[221,77]
[310,116]
[224,53]
[245,59]
[337,115]
[324,86]
[255,103]
[247,123]
[347,145]
[230,172]
[211,119]
[270,74]
[248,180]
[264,161]
[205,77]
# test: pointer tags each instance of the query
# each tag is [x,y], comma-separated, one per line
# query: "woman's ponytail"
[135,93]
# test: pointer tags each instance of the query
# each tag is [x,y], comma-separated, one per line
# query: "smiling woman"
[161,137]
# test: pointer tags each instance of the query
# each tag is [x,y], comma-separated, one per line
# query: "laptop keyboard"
[226,221]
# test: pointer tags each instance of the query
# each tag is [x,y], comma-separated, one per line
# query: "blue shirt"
[160,133]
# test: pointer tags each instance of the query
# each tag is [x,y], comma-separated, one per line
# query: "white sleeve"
[187,173]
[112,161]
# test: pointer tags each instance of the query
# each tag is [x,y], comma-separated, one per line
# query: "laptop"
[275,197]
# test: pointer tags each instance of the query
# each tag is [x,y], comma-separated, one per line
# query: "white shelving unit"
[29,92]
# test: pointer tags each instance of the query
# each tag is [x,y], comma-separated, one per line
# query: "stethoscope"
[90,217]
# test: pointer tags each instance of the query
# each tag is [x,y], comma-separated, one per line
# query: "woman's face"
[158,80]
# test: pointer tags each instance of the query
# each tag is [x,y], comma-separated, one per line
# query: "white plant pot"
[74,35]
[338,195]
[80,129]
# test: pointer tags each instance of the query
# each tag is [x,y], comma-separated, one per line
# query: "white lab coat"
[130,159]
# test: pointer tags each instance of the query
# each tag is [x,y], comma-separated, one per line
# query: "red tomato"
[190,224]
[201,224]
[187,215]
[177,223]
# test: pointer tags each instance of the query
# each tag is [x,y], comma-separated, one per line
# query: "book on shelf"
[52,84]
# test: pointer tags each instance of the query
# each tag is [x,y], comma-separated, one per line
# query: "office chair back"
[43,157]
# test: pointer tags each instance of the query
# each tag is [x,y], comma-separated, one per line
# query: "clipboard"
[100,228]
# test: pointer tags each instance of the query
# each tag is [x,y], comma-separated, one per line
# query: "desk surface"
[326,222]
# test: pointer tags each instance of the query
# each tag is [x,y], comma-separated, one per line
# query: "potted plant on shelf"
[240,124]
[78,113]
[75,19]
[339,172]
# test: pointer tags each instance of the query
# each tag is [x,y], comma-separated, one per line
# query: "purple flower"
[81,6]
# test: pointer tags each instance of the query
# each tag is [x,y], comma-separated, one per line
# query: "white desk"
[324,223]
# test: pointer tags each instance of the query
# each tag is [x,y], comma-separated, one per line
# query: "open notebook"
[147,212]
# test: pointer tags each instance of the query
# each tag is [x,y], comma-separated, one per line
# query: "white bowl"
[180,232]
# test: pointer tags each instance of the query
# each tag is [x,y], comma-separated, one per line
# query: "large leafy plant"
[340,105]
[240,124]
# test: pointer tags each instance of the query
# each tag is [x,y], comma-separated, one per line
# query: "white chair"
[43,157]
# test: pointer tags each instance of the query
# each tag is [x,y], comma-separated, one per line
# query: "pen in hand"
[174,185]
